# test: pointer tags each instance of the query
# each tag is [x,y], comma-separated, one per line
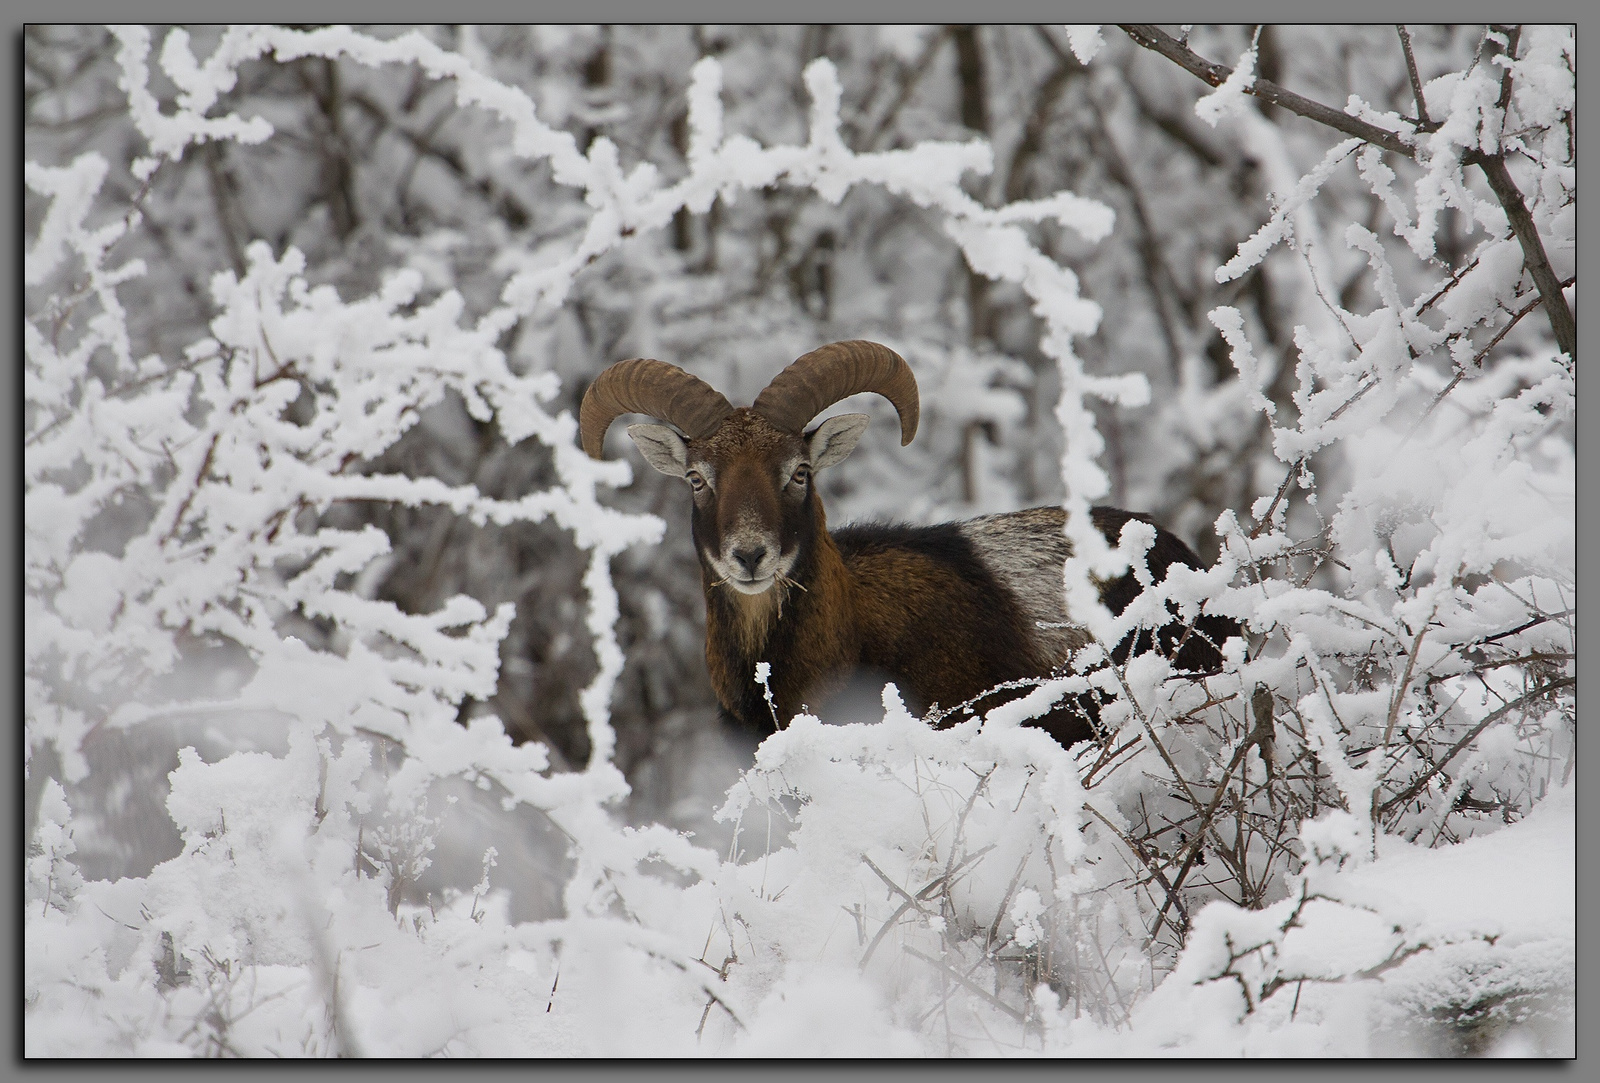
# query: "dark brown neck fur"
[796,628]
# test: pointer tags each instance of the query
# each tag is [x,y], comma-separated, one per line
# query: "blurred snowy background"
[336,642]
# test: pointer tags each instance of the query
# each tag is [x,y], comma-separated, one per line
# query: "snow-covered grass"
[1356,839]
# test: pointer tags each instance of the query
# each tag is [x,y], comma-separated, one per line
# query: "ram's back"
[981,601]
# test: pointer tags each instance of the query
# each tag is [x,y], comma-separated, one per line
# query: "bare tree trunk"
[974,115]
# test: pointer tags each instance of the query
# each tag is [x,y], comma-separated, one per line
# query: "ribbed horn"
[644,386]
[838,370]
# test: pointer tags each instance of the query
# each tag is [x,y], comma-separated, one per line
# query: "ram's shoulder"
[942,543]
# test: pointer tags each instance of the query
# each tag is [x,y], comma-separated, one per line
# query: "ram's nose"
[750,559]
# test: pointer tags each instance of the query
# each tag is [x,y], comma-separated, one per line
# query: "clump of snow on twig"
[1085,40]
[1229,97]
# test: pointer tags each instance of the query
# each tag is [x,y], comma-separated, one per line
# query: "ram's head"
[750,468]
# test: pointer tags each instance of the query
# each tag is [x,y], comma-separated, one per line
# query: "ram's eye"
[802,474]
[696,482]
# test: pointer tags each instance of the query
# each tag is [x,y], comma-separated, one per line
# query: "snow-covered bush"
[1247,863]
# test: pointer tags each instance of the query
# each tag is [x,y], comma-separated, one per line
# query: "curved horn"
[643,386]
[829,373]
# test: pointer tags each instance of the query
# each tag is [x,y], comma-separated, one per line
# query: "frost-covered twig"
[965,982]
[1477,358]
[1492,163]
[1159,41]
[1527,233]
[1420,783]
[1150,862]
[1253,739]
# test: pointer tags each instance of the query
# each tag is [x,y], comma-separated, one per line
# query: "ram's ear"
[662,448]
[834,439]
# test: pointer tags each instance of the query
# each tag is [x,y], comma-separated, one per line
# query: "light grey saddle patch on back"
[1025,550]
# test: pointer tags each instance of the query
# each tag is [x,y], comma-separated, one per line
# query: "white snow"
[1085,40]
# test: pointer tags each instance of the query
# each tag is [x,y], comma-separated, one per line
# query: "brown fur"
[942,636]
